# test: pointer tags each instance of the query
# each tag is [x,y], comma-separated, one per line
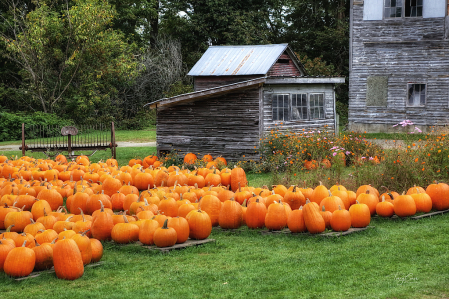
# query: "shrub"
[12,125]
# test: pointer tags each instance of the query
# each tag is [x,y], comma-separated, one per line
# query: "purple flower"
[334,154]
[417,129]
[347,153]
[371,158]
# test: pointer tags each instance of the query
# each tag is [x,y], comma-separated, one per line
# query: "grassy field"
[395,259]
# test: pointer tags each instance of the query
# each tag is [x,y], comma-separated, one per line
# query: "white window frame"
[402,10]
[277,95]
[290,107]
[420,94]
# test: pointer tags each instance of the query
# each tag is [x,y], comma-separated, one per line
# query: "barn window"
[416,95]
[403,8]
[280,106]
[298,106]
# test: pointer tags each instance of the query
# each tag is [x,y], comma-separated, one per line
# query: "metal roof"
[237,60]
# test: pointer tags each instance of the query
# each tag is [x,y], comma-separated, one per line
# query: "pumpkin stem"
[126,219]
[165,224]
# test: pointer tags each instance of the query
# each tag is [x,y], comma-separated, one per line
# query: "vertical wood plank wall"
[407,50]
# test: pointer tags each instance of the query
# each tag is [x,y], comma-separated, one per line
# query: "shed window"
[280,106]
[317,106]
[416,95]
[403,8]
[301,106]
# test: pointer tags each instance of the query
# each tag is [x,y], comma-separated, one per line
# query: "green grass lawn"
[396,259]
[146,135]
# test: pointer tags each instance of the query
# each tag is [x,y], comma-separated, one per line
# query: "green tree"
[70,60]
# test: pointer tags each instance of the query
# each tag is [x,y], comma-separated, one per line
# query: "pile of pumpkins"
[155,205]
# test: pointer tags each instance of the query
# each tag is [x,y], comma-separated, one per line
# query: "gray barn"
[399,64]
[240,94]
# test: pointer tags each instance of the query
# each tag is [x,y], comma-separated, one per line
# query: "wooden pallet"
[234,230]
[425,215]
[188,243]
[52,270]
[324,234]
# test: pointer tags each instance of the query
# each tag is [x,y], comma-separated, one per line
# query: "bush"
[12,125]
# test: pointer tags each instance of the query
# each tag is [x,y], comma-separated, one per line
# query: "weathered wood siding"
[284,67]
[206,82]
[326,124]
[226,125]
[407,50]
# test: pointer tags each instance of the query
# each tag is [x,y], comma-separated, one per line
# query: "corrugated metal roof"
[237,60]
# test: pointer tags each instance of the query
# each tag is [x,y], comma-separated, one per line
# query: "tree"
[70,59]
[201,23]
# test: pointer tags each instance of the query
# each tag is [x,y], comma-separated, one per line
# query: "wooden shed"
[399,64]
[240,94]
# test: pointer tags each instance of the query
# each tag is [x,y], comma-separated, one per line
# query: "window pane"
[417,95]
[387,3]
[393,3]
[317,106]
[299,106]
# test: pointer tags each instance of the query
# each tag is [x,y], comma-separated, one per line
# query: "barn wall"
[206,82]
[410,50]
[284,69]
[327,124]
[226,125]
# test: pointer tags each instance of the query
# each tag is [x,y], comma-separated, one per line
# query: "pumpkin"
[52,196]
[4,210]
[67,260]
[84,245]
[422,200]
[238,175]
[331,203]
[147,230]
[312,218]
[404,205]
[165,236]
[370,199]
[200,225]
[97,250]
[20,261]
[343,194]
[231,215]
[169,207]
[319,193]
[44,256]
[33,227]
[29,238]
[327,216]
[126,232]
[190,158]
[79,202]
[5,248]
[276,217]
[102,225]
[294,198]
[20,219]
[341,220]
[439,194]
[47,220]
[111,185]
[385,208]
[360,215]
[255,214]
[181,226]
[295,221]
[212,206]
[37,210]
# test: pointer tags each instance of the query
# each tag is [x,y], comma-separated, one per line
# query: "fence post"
[113,140]
[23,139]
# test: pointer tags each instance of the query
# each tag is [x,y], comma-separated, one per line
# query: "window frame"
[408,95]
[403,6]
[290,106]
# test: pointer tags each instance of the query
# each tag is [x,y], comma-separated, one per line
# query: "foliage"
[70,59]
[342,111]
[12,124]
